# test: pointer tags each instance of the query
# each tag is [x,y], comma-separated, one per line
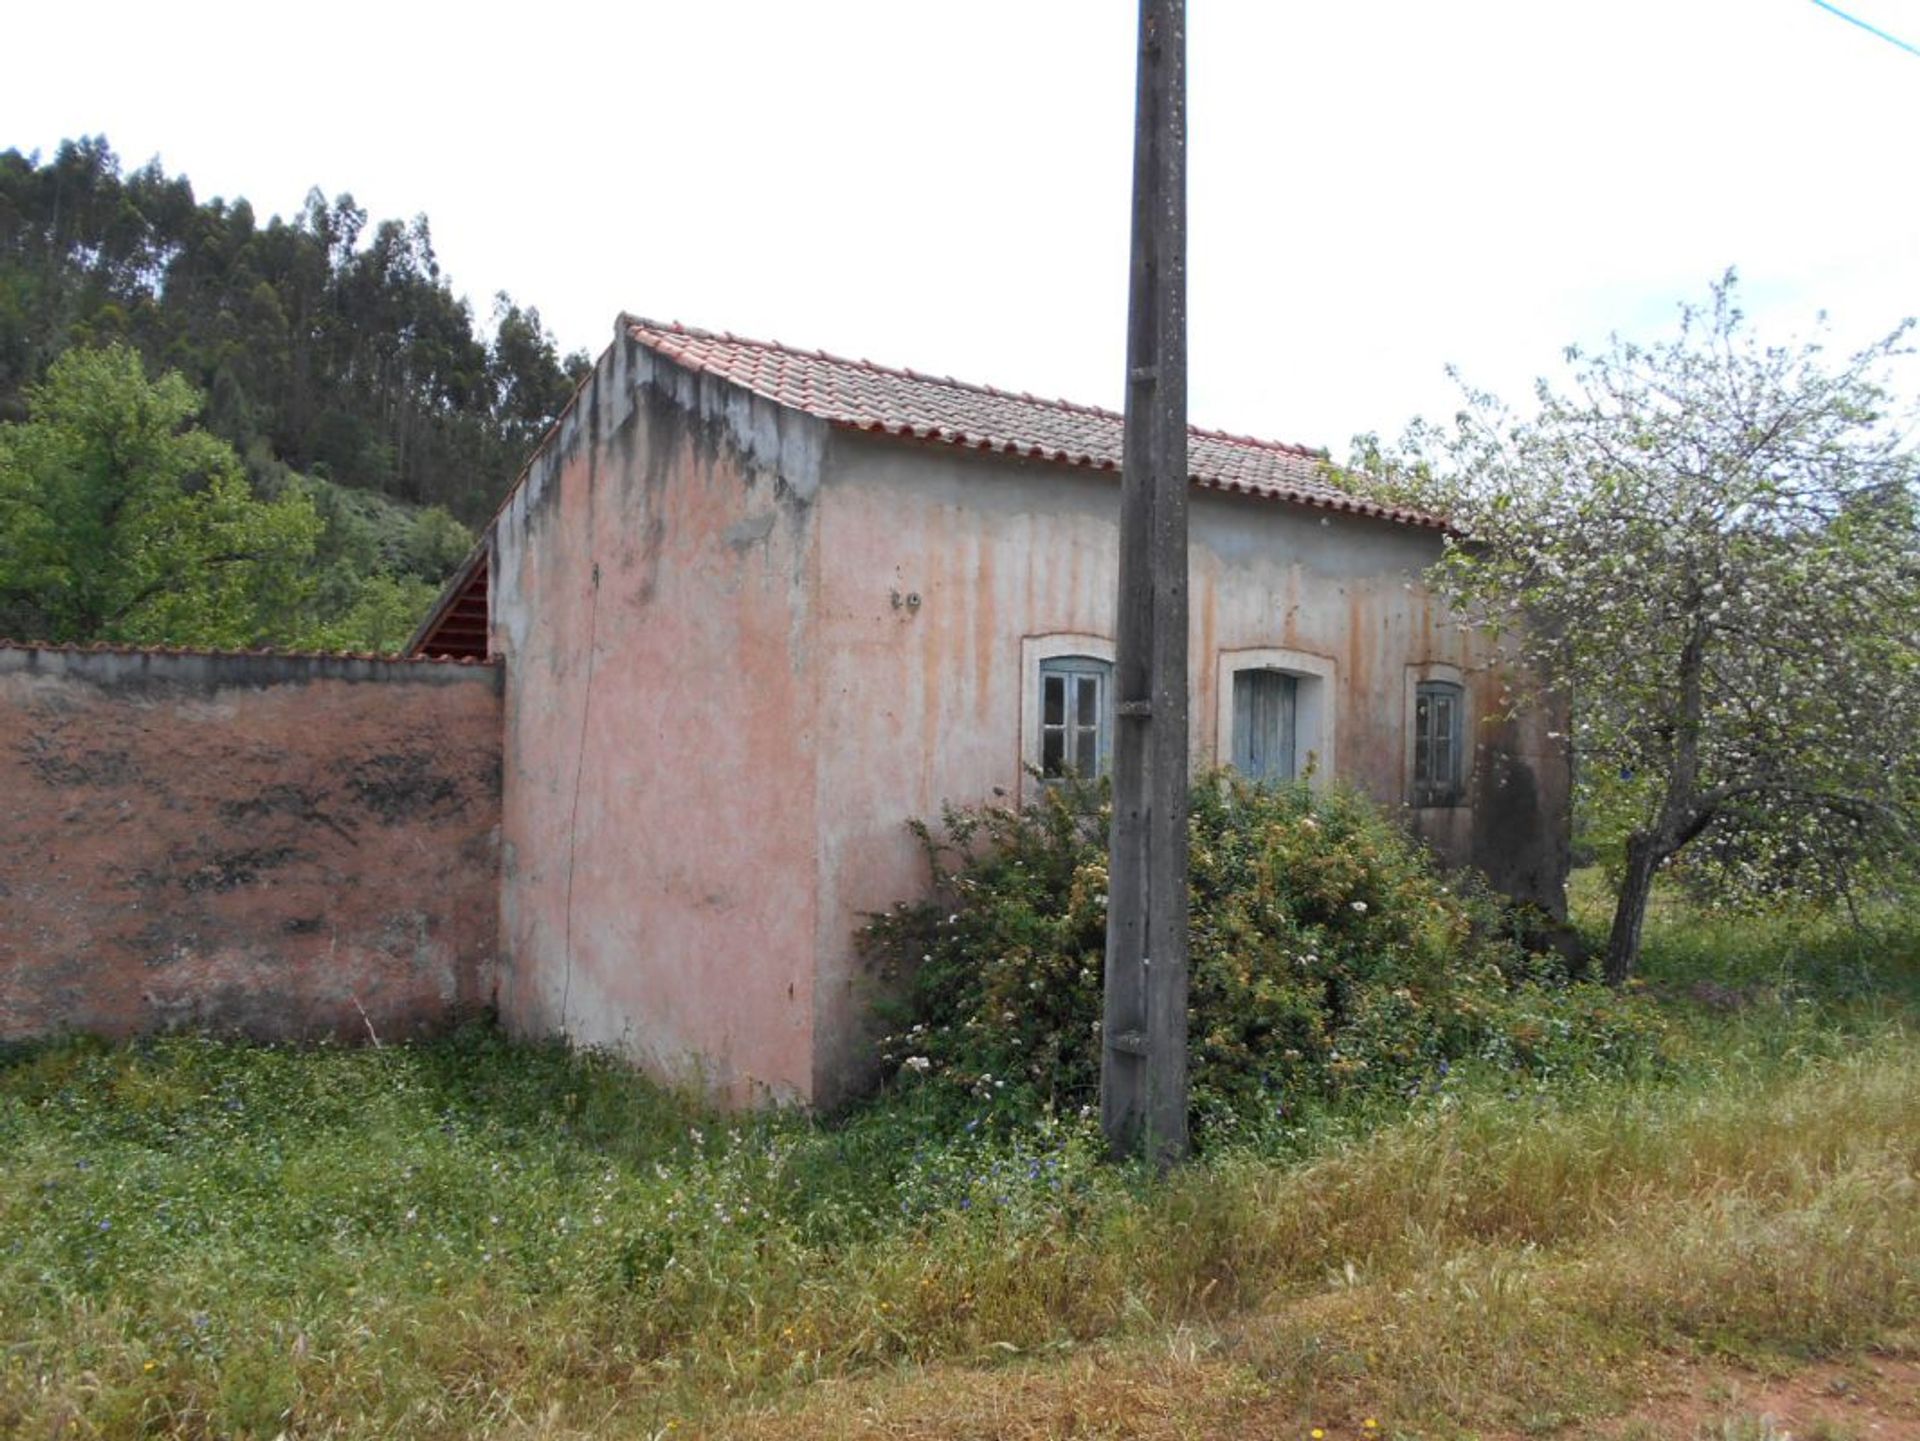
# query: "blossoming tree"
[1709,546]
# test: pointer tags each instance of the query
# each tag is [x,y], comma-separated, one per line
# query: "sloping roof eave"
[862,395]
[1339,502]
[721,355]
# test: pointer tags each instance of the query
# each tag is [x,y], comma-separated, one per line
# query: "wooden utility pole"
[1143,1070]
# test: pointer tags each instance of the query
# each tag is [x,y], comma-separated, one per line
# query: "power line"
[1870,29]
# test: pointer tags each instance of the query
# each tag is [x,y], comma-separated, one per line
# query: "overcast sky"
[1377,189]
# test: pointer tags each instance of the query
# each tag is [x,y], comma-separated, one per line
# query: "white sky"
[1378,187]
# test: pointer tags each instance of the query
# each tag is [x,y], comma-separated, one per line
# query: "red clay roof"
[860,395]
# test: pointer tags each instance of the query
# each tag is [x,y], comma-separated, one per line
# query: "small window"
[1073,715]
[1439,711]
[1264,714]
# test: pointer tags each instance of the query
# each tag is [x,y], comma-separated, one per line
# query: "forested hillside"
[362,417]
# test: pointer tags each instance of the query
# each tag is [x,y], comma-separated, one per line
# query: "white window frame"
[1055,645]
[1316,683]
[1465,741]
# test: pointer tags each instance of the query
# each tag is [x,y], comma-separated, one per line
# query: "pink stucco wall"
[288,847]
[652,596]
[925,703]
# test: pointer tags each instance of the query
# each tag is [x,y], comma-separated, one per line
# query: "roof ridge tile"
[1081,407]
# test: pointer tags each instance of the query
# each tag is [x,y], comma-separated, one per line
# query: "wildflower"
[1371,1424]
[917,1063]
[149,1365]
[1318,1434]
[1360,907]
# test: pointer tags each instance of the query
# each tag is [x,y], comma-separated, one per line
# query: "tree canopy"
[121,521]
[1711,546]
[314,372]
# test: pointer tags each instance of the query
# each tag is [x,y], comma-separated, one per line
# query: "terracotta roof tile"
[861,395]
[117,648]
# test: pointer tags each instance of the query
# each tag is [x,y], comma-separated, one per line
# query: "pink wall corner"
[659,781]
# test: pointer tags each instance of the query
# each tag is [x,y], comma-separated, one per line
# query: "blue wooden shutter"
[1264,709]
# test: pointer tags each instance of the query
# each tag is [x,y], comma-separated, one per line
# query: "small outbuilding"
[758,607]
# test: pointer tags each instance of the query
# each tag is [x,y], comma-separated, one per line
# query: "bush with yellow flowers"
[1329,958]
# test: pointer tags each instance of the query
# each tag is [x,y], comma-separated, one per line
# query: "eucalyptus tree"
[1707,545]
[324,342]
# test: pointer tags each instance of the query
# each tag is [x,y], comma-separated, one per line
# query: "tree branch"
[166,583]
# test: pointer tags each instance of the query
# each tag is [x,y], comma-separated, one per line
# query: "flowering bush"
[1328,957]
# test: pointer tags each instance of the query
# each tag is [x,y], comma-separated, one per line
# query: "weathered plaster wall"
[653,588]
[287,847]
[924,703]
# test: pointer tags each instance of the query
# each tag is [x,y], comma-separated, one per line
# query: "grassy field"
[475,1238]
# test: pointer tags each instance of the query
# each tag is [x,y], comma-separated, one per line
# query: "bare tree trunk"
[1680,818]
[1630,912]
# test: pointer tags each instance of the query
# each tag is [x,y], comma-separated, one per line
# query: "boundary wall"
[282,846]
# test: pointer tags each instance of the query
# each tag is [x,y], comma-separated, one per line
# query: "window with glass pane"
[1264,708]
[1073,715]
[1438,773]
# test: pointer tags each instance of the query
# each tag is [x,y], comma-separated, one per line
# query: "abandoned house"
[756,607]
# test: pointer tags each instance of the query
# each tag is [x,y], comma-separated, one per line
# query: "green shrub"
[1329,959]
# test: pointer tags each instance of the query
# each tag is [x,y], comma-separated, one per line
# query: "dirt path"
[1872,1399]
[1178,1392]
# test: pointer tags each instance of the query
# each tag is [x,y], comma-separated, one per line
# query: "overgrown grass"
[473,1237]
[1865,961]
